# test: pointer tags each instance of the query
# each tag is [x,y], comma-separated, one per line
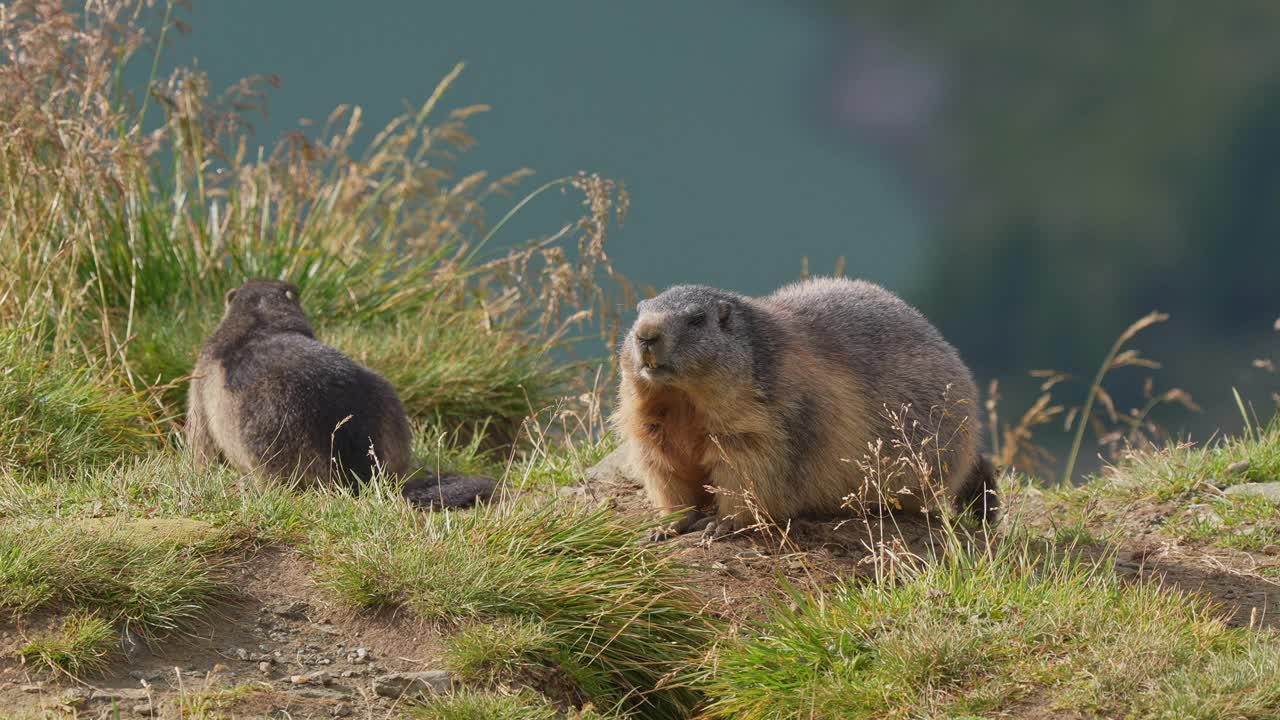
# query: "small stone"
[361,655]
[242,654]
[264,667]
[1269,491]
[75,696]
[1236,468]
[315,693]
[121,694]
[296,610]
[299,679]
[412,684]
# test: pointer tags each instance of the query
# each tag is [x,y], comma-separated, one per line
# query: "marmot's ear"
[231,295]
[726,309]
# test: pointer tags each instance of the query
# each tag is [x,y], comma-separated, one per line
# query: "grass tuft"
[81,646]
[982,632]
[56,416]
[487,652]
[611,616]
[148,587]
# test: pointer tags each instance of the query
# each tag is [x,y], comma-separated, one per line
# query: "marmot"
[270,398]
[790,404]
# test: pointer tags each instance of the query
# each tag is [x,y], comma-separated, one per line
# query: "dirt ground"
[289,652]
[738,575]
[282,644]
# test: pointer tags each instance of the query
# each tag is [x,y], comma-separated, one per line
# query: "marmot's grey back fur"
[792,403]
[270,398]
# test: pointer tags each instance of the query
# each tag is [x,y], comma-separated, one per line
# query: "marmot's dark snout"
[652,343]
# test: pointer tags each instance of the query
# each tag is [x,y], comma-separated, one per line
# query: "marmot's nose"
[648,330]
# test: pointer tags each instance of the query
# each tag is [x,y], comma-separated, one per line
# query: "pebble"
[315,693]
[412,684]
[1236,468]
[118,694]
[296,610]
[1269,491]
[358,656]
[242,654]
[264,667]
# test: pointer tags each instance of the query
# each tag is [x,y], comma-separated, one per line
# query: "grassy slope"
[112,269]
[541,588]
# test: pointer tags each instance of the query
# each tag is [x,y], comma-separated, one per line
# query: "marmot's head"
[687,335]
[266,304]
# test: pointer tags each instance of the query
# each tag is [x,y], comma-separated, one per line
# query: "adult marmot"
[825,392]
[271,399]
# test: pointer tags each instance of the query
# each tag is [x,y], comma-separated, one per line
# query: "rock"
[317,693]
[1236,468]
[264,667]
[613,468]
[121,694]
[412,684]
[296,610]
[242,654]
[1269,491]
[358,656]
[316,678]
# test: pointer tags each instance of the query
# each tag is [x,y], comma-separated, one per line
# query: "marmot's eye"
[698,319]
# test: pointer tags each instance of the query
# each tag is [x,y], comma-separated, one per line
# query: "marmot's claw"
[724,527]
[702,524]
[662,533]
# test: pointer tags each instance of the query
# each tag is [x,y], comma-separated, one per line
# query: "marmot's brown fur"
[269,398]
[783,404]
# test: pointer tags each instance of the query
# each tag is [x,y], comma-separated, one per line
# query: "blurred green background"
[1034,176]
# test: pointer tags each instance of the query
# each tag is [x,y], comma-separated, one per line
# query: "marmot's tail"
[430,491]
[978,495]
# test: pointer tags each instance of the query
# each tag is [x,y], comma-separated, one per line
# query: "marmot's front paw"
[693,521]
[662,533]
[723,527]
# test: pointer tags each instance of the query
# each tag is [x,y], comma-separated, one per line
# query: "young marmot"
[827,392]
[269,398]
